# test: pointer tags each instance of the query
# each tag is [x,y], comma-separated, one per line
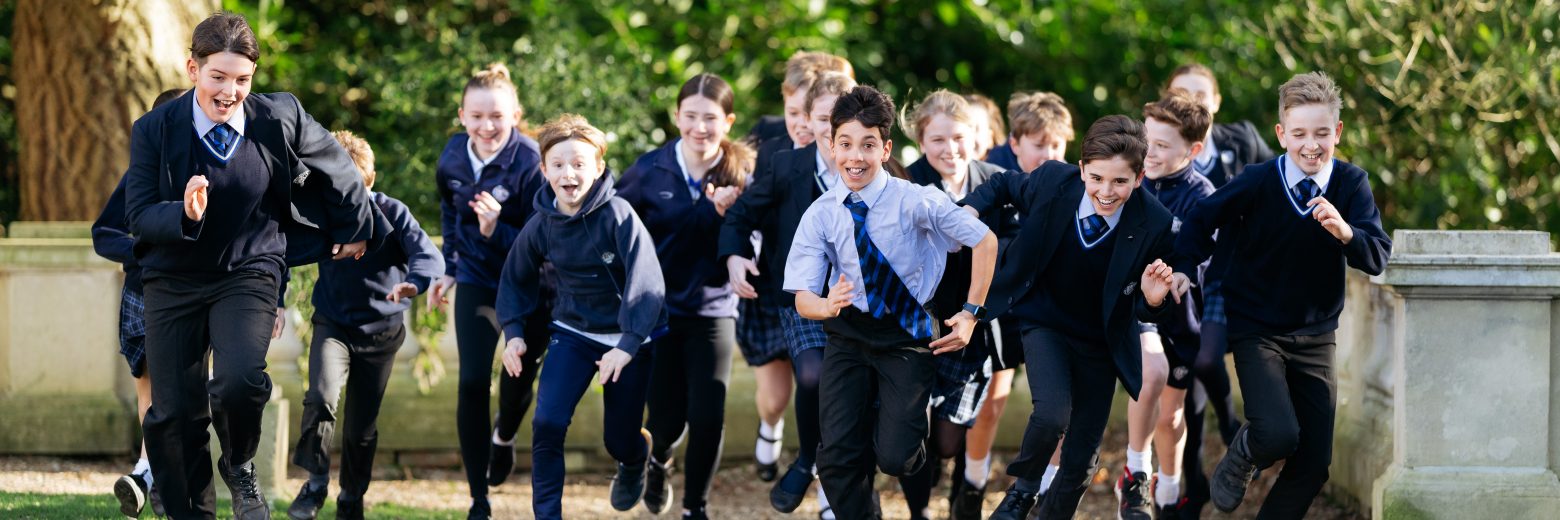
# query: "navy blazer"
[1238,144]
[1049,197]
[773,203]
[323,189]
[767,128]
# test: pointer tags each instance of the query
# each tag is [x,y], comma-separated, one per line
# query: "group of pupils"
[893,304]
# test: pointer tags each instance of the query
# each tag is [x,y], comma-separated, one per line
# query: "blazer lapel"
[1059,217]
[177,132]
[1129,239]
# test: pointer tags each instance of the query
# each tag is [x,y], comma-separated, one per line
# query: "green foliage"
[103,505]
[9,192]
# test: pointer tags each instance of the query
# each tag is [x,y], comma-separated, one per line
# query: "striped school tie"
[221,141]
[886,293]
[1303,191]
[1092,228]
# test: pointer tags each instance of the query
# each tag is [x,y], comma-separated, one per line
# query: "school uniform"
[111,239]
[611,295]
[357,333]
[512,176]
[1285,288]
[1228,149]
[1179,192]
[890,240]
[1075,285]
[282,192]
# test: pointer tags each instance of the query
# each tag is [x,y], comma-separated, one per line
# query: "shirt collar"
[1209,151]
[1086,208]
[204,124]
[477,165]
[1293,174]
[682,160]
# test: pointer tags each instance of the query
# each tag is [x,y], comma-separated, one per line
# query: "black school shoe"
[308,503]
[787,494]
[658,485]
[698,514]
[628,486]
[480,510]
[501,461]
[1175,511]
[1132,491]
[349,509]
[1234,472]
[131,490]
[967,500]
[1015,506]
[242,482]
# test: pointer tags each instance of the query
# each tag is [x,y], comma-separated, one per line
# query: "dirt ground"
[737,492]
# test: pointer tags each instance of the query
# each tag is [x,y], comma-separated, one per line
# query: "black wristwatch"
[975,310]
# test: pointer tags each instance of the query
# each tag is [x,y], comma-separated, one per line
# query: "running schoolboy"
[1085,268]
[890,238]
[358,310]
[610,300]
[1295,224]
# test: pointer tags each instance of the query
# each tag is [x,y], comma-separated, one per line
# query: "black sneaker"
[628,486]
[1015,506]
[1232,475]
[308,503]
[349,509]
[1174,511]
[698,514]
[243,483]
[501,461]
[787,494]
[480,510]
[658,485]
[1132,491]
[131,490]
[967,500]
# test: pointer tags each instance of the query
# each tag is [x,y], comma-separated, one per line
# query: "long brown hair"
[737,159]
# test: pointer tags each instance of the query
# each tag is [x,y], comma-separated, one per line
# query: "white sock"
[143,468]
[501,442]
[977,470]
[1050,475]
[823,505]
[768,452]
[1168,489]
[1139,461]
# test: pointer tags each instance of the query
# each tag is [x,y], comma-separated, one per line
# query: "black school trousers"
[231,315]
[1291,397]
[1071,383]
[870,361]
[346,358]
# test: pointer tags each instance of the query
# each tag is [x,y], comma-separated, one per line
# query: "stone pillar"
[1473,376]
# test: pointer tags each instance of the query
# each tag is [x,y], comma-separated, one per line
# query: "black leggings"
[945,440]
[808,368]
[477,333]
[688,398]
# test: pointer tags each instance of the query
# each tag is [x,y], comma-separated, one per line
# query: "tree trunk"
[84,72]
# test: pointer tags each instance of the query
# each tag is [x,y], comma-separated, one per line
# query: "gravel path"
[737,493]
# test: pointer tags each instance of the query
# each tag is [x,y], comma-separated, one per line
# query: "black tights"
[945,440]
[476,335]
[808,367]
[688,386]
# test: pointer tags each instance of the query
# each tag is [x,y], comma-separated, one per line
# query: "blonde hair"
[1179,109]
[1311,88]
[362,155]
[803,68]
[939,103]
[496,77]
[828,84]
[1040,112]
[571,126]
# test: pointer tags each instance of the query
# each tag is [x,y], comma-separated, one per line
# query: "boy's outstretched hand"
[1331,220]
[962,326]
[612,363]
[840,296]
[1158,281]
[513,351]
[401,290]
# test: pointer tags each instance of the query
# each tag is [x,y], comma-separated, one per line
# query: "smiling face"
[947,144]
[1168,152]
[1108,183]
[702,124]
[489,114]
[796,123]
[860,153]
[980,131]
[221,84]
[571,168]
[1036,148]
[1201,88]
[819,117]
[1309,134]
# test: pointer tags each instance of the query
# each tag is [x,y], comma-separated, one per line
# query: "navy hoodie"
[514,176]
[1286,274]
[609,279]
[351,293]
[687,235]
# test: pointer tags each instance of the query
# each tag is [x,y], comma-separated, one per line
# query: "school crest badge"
[665,195]
[608,257]
[455,184]
[501,193]
[1227,157]
[1129,289]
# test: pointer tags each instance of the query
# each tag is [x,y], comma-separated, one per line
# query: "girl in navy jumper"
[682,190]
[1295,224]
[487,178]
[610,301]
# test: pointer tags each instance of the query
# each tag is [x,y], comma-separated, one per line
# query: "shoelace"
[244,481]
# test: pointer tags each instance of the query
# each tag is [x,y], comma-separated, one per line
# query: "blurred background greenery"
[1451,105]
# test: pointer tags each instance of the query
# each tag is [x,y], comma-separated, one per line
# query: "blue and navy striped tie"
[886,293]
[1092,228]
[220,141]
[1303,191]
